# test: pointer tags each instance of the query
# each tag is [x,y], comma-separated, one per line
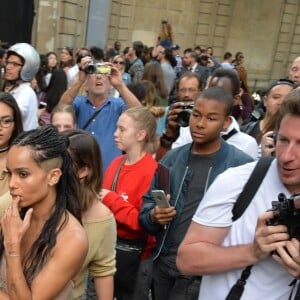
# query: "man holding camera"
[188,89]
[180,135]
[192,168]
[97,112]
[228,247]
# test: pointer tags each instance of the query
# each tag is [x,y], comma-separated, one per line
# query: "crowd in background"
[87,134]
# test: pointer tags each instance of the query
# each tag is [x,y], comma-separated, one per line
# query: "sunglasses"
[119,62]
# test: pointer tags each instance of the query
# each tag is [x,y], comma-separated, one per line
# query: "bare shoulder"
[73,232]
[97,211]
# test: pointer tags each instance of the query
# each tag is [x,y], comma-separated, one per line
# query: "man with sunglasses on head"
[22,64]
[98,112]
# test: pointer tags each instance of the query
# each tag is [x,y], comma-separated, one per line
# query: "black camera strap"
[88,122]
[240,206]
[251,186]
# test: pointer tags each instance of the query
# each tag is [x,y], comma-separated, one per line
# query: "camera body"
[287,212]
[98,68]
[184,116]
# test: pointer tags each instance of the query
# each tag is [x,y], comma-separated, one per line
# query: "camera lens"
[183,118]
[90,69]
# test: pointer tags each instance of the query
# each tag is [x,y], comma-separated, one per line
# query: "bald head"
[294,72]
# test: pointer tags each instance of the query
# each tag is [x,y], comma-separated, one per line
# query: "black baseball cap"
[175,47]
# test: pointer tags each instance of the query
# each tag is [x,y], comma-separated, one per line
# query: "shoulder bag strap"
[237,290]
[88,122]
[240,206]
[251,186]
[115,180]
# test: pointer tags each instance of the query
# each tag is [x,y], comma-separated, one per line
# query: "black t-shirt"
[200,165]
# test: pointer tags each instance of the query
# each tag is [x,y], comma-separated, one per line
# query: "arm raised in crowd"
[70,94]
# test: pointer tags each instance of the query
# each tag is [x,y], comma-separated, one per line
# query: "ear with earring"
[54,176]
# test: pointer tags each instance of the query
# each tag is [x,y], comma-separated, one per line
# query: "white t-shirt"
[27,102]
[241,140]
[268,279]
[72,75]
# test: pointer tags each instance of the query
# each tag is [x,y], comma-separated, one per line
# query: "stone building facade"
[266,31]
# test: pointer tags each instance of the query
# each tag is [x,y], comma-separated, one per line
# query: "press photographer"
[188,90]
[287,212]
[176,136]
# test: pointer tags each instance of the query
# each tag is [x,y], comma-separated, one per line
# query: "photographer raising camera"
[97,111]
[259,250]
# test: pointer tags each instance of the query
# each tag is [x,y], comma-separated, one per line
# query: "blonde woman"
[119,63]
[126,180]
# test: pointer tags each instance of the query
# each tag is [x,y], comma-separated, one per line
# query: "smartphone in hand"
[160,198]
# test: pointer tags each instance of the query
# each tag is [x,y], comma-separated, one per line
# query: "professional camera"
[287,212]
[98,68]
[184,116]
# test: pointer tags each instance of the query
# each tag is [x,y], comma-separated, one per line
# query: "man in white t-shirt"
[219,249]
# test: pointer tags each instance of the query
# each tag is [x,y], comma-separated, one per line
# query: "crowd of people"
[90,137]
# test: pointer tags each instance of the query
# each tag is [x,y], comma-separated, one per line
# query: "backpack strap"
[251,186]
[240,206]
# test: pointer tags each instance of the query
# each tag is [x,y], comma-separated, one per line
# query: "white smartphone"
[160,198]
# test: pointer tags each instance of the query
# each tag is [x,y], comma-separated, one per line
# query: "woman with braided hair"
[42,243]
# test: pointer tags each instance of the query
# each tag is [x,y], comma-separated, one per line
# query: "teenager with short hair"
[192,167]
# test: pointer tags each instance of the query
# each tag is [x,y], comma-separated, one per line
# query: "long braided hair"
[46,143]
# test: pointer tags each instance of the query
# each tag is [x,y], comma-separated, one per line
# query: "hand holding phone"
[163,213]
[160,198]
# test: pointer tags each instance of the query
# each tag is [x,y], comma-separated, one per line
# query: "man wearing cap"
[22,64]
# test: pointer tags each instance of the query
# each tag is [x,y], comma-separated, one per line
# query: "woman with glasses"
[119,63]
[10,127]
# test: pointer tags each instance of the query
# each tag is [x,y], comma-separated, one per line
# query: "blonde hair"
[151,94]
[117,57]
[144,120]
[66,108]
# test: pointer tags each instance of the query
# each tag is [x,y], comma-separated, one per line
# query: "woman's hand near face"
[14,227]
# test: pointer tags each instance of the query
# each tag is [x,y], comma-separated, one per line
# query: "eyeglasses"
[190,90]
[68,48]
[14,64]
[6,122]
[119,62]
